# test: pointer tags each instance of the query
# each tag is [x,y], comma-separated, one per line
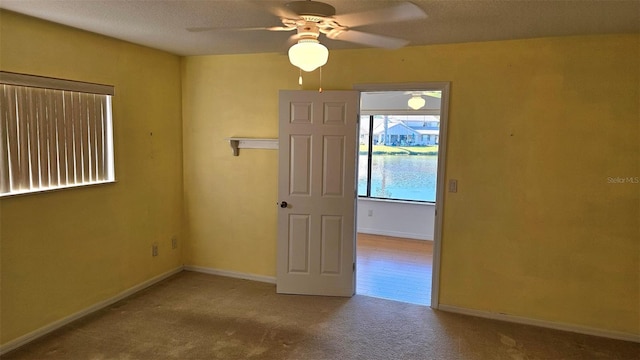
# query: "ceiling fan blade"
[402,12]
[374,40]
[212,28]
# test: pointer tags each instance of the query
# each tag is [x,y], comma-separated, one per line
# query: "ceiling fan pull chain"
[320,89]
[300,77]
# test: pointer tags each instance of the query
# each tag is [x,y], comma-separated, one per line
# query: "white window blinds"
[54,133]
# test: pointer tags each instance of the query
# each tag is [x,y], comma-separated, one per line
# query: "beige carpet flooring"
[199,316]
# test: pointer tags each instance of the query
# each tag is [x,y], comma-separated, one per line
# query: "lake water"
[403,177]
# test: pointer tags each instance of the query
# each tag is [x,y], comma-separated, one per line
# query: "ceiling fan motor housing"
[311,9]
[309,30]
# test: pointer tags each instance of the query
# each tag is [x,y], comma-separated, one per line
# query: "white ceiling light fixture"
[416,101]
[308,54]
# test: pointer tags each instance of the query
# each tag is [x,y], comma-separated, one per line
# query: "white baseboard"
[24,339]
[395,234]
[232,274]
[543,323]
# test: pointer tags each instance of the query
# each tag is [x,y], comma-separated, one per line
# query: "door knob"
[283,204]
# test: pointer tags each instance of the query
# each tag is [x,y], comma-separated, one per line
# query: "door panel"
[317,180]
[299,237]
[300,163]
[331,245]
[333,166]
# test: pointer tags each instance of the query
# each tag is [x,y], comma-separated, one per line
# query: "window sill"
[57,188]
[409,202]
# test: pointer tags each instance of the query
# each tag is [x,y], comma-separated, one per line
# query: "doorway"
[401,173]
[316,251]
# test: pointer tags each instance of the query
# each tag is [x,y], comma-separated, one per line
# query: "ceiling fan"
[312,18]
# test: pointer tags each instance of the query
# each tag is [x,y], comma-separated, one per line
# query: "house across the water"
[405,131]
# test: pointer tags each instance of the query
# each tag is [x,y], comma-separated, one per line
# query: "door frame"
[445,88]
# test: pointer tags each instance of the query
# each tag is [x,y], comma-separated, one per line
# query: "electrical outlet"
[154,249]
[174,242]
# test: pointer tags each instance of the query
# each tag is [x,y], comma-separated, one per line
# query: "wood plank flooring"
[394,268]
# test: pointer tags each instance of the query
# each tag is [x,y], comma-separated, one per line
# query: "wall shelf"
[238,143]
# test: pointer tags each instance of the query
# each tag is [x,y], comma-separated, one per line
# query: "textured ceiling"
[162,24]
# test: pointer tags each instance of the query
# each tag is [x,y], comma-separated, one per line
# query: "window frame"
[371,126]
[91,108]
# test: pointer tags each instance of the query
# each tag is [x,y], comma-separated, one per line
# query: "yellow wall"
[536,128]
[230,201]
[64,251]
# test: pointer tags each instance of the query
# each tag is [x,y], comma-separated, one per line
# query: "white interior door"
[317,192]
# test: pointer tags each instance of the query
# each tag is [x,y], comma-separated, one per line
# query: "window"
[54,134]
[398,147]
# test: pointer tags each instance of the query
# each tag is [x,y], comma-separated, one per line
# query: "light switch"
[453,185]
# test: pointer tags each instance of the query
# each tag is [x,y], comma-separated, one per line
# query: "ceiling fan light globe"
[308,55]
[416,102]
